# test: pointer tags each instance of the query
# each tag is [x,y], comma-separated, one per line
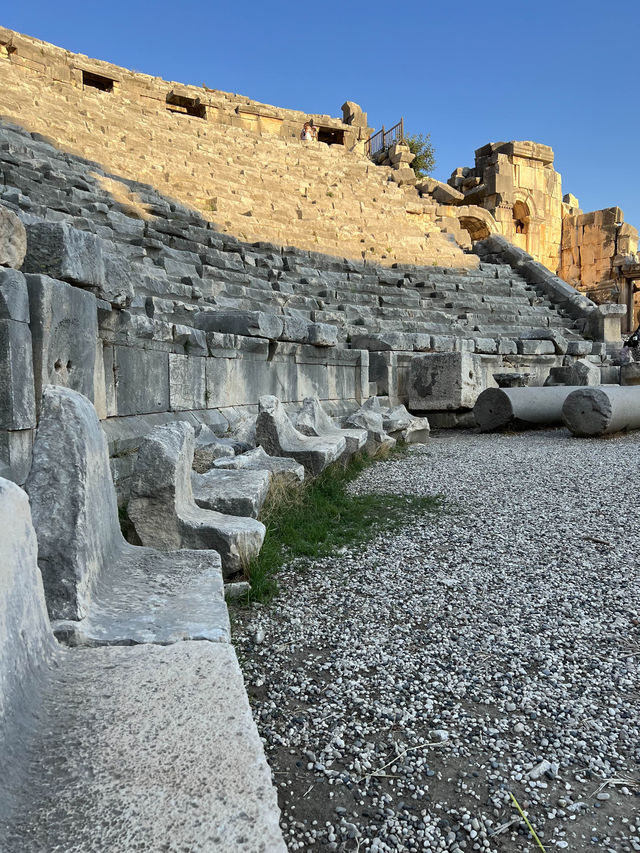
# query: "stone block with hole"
[64,328]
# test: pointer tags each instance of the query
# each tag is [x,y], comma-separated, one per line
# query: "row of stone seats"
[259,186]
[131,737]
[182,266]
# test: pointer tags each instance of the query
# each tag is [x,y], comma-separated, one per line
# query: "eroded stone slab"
[259,460]
[240,492]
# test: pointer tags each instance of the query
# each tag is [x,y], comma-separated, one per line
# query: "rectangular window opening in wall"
[330,135]
[97,81]
[186,106]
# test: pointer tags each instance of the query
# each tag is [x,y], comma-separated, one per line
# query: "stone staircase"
[168,267]
[256,187]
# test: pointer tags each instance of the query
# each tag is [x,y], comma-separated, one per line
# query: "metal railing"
[384,139]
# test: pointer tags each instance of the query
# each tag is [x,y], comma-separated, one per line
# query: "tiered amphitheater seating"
[181,266]
[257,187]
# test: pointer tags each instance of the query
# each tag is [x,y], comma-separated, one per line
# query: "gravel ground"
[405,690]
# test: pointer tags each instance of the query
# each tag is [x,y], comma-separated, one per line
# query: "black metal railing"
[384,139]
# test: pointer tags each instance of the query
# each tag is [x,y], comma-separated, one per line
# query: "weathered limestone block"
[13,239]
[98,587]
[404,177]
[385,341]
[231,492]
[15,454]
[442,193]
[403,426]
[14,297]
[142,384]
[560,343]
[535,347]
[17,400]
[258,324]
[187,387]
[60,251]
[520,408]
[370,420]
[322,335]
[164,513]
[277,435]
[313,420]
[605,322]
[438,381]
[600,411]
[64,327]
[286,470]
[209,448]
[25,636]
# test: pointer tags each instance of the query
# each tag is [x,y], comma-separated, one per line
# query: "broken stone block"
[62,252]
[403,426]
[313,420]
[535,347]
[322,335]
[164,513]
[559,342]
[14,297]
[404,177]
[258,324]
[277,435]
[369,418]
[17,399]
[584,372]
[444,381]
[64,327]
[13,239]
[286,470]
[442,193]
[187,389]
[579,347]
[239,492]
[99,588]
[209,448]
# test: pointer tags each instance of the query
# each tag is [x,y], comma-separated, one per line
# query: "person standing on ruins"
[306,135]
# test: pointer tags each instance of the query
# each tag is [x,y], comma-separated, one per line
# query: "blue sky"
[563,73]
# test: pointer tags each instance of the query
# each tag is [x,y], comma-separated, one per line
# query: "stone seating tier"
[165,266]
[258,187]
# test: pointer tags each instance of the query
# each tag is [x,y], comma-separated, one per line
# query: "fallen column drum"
[599,411]
[521,408]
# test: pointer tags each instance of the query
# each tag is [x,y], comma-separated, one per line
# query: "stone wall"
[597,249]
[517,183]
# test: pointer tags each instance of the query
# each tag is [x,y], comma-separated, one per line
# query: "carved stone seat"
[278,436]
[313,420]
[121,747]
[100,589]
[165,514]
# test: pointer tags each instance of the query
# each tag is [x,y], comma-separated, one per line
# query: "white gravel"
[403,691]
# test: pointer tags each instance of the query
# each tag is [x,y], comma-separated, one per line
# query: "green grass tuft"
[317,517]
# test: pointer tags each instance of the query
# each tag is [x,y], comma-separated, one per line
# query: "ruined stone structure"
[594,252]
[144,333]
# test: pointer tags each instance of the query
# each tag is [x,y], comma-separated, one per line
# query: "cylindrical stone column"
[521,408]
[599,411]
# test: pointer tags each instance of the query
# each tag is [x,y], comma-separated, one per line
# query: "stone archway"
[477,228]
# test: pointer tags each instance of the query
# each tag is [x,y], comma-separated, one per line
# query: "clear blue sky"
[563,73]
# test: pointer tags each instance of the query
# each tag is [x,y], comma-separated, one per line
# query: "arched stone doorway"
[477,228]
[521,218]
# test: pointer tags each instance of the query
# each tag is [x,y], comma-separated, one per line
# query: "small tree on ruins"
[425,160]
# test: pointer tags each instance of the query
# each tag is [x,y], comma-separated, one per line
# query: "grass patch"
[315,518]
